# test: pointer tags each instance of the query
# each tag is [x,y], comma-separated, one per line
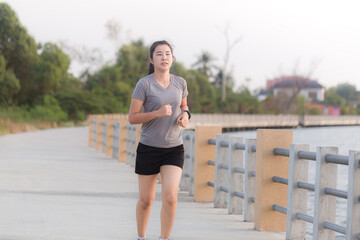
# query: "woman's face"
[162,58]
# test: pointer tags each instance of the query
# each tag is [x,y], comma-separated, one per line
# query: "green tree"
[332,97]
[204,64]
[105,78]
[49,111]
[346,91]
[202,95]
[133,62]
[9,84]
[19,50]
[52,70]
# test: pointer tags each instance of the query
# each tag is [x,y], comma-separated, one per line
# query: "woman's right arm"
[137,117]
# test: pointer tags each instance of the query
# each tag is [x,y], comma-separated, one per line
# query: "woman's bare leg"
[170,186]
[147,189]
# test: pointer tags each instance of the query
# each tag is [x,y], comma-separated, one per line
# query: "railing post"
[116,140]
[353,205]
[324,205]
[187,181]
[133,136]
[297,197]
[249,180]
[94,130]
[203,153]
[236,180]
[268,193]
[221,175]
[104,136]
[129,139]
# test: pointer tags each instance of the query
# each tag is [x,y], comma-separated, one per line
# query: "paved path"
[54,187]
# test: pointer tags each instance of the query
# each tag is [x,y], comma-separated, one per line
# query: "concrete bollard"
[91,127]
[267,192]
[203,153]
[122,140]
[109,137]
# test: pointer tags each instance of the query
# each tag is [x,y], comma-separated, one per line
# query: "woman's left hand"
[183,120]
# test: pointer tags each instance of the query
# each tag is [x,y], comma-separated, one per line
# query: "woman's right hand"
[165,110]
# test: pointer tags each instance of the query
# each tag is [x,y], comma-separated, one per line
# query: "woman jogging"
[159,103]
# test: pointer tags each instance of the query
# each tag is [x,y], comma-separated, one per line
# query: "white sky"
[276,33]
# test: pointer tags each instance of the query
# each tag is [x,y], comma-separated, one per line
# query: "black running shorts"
[150,159]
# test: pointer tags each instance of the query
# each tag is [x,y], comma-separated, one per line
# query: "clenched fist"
[165,110]
[183,120]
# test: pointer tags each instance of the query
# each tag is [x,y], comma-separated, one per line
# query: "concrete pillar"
[90,122]
[109,136]
[203,153]
[267,192]
[324,205]
[297,197]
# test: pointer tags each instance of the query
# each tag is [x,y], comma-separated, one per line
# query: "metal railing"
[234,180]
[324,186]
[233,186]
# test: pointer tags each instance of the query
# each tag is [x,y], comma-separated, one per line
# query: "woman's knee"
[170,198]
[146,202]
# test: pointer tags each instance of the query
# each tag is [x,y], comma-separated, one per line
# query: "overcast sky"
[277,35]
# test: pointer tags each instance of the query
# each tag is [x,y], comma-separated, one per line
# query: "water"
[345,138]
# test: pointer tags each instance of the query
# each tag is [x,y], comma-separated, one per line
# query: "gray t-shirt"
[161,132]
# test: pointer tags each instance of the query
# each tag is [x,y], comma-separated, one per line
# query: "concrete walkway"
[54,187]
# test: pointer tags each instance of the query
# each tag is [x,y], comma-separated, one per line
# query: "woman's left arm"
[183,119]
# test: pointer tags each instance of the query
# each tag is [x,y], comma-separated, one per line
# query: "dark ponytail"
[152,50]
[151,68]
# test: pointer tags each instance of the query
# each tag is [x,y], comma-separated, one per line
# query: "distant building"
[288,85]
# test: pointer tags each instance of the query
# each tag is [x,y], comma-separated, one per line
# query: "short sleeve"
[185,90]
[140,91]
